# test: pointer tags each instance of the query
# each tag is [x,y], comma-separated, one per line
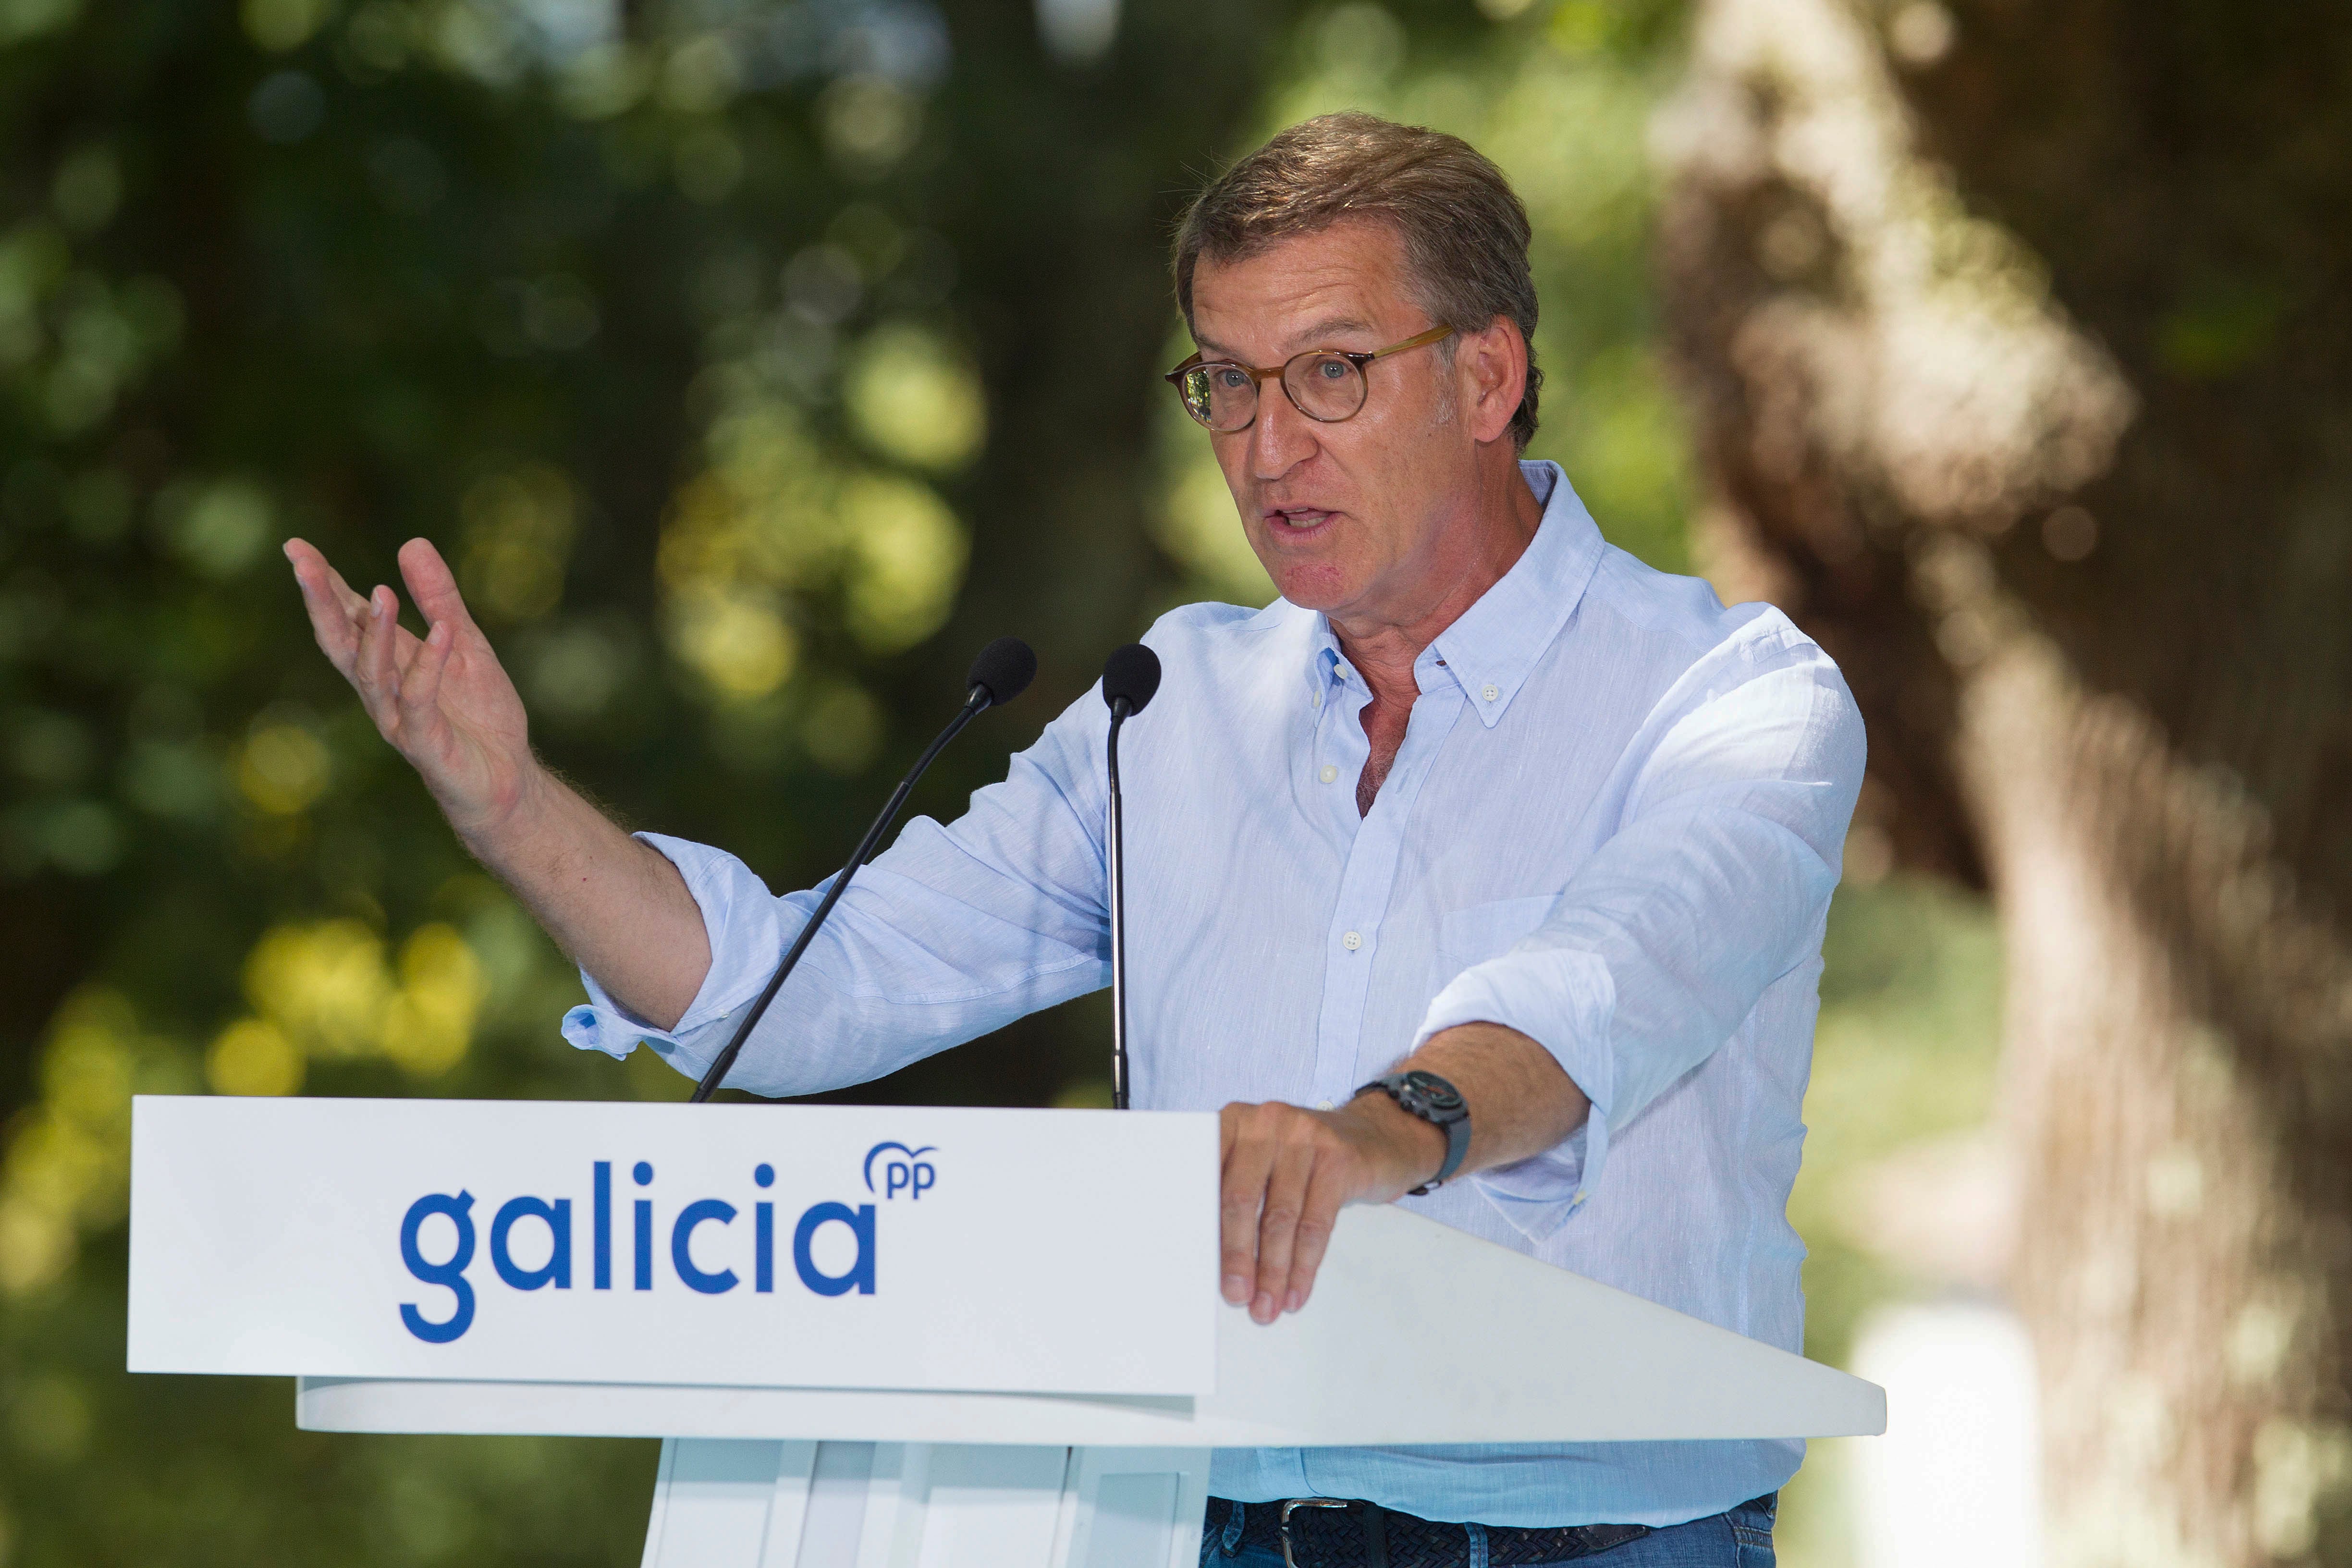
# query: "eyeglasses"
[1326,386]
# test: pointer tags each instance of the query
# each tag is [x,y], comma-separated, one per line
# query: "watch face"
[1433,1091]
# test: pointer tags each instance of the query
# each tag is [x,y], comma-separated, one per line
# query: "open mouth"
[1299,519]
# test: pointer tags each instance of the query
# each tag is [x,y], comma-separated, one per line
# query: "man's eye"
[1231,378]
[1331,369]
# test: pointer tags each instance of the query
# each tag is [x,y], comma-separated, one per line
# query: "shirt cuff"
[1563,1001]
[741,919]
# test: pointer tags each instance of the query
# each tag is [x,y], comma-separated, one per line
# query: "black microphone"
[1130,678]
[1001,672]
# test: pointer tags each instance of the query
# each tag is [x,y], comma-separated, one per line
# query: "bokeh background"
[758,360]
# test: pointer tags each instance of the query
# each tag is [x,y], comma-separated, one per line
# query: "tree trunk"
[2019,356]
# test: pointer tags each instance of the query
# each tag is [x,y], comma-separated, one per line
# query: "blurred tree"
[2019,341]
[754,362]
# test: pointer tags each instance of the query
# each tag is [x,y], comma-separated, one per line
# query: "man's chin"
[1312,588]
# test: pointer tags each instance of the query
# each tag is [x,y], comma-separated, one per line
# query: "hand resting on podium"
[1289,1171]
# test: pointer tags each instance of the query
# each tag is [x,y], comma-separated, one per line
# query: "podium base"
[730,1503]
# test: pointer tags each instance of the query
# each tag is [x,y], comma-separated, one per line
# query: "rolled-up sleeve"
[1736,804]
[743,922]
[954,931]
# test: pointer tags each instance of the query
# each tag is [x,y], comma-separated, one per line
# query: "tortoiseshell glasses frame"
[1328,385]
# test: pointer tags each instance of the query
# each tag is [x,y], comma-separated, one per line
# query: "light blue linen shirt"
[1614,826]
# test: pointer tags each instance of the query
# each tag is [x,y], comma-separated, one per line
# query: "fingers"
[420,683]
[334,610]
[1287,1175]
[340,619]
[1278,1228]
[1248,1159]
[1326,1195]
[375,672]
[433,586]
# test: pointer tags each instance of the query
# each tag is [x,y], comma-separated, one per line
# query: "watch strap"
[1437,1102]
[1457,1149]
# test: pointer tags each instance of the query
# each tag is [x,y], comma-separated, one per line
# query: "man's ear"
[1493,365]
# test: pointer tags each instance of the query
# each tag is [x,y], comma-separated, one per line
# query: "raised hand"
[442,700]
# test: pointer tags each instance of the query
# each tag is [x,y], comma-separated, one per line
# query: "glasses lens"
[1222,396]
[1192,386]
[1325,386]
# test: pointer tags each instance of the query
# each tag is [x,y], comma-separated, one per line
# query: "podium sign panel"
[874,1338]
[848,1247]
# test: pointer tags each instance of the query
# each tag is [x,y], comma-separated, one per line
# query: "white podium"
[1014,1378]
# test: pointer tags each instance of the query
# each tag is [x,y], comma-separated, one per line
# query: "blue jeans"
[1740,1539]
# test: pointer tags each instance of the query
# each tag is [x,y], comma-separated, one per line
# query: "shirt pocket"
[1466,937]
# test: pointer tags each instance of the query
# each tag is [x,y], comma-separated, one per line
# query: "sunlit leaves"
[253,1056]
[734,636]
[912,399]
[906,553]
[67,1168]
[328,989]
[219,528]
[284,767]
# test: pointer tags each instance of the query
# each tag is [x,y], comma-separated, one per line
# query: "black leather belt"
[1339,1532]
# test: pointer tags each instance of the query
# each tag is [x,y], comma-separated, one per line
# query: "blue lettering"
[642,1230]
[763,1264]
[557,1270]
[451,1275]
[603,1225]
[926,1176]
[860,1273]
[681,1246]
[897,1177]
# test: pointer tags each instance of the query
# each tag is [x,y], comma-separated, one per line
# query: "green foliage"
[725,350]
[753,363]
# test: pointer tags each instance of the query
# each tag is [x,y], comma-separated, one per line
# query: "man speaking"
[1482,828]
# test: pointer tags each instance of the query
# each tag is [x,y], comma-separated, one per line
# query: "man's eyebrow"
[1314,337]
[1328,328]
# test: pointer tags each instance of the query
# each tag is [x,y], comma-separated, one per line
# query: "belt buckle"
[1291,1506]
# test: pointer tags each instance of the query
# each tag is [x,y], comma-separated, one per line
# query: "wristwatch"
[1435,1101]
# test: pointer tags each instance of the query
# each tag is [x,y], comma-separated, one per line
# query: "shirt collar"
[1494,645]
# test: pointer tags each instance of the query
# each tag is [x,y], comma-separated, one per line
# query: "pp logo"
[911,1175]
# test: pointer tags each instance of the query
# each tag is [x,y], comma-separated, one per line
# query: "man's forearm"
[616,907]
[1287,1171]
[1521,1101]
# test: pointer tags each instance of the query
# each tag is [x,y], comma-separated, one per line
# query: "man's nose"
[1282,437]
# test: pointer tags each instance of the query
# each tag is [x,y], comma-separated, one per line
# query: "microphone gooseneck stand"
[1001,673]
[1130,678]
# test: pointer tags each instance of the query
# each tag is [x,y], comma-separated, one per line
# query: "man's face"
[1352,518]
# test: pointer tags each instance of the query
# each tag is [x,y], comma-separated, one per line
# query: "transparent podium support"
[736,1503]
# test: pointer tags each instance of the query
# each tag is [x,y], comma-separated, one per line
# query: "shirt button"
[1351,942]
[1330,773]
[1315,699]
[1491,692]
[1323,1105]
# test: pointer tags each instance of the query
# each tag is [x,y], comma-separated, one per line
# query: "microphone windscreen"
[1003,670]
[1133,673]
